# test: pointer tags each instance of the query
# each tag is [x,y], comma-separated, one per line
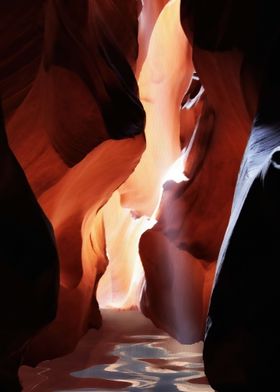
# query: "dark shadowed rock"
[90,50]
[242,340]
[21,48]
[241,351]
[29,266]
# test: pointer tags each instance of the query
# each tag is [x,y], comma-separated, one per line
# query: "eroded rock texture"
[242,339]
[87,54]
[21,26]
[80,82]
[193,215]
[82,95]
[72,203]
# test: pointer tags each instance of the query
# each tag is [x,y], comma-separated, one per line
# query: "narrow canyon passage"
[127,354]
[139,195]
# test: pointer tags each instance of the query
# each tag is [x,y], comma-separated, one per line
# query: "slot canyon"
[140,176]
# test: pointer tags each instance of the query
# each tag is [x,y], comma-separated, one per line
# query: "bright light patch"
[176,171]
[121,285]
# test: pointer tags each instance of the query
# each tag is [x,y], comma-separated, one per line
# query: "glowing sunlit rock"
[163,80]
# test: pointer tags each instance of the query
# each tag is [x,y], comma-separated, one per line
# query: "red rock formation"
[242,332]
[92,59]
[84,93]
[72,206]
[161,91]
[193,215]
[162,85]
[29,266]
[67,95]
[21,42]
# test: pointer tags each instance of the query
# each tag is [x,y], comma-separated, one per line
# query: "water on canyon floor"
[127,354]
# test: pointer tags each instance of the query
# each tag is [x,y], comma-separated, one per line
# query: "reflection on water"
[147,367]
[122,361]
